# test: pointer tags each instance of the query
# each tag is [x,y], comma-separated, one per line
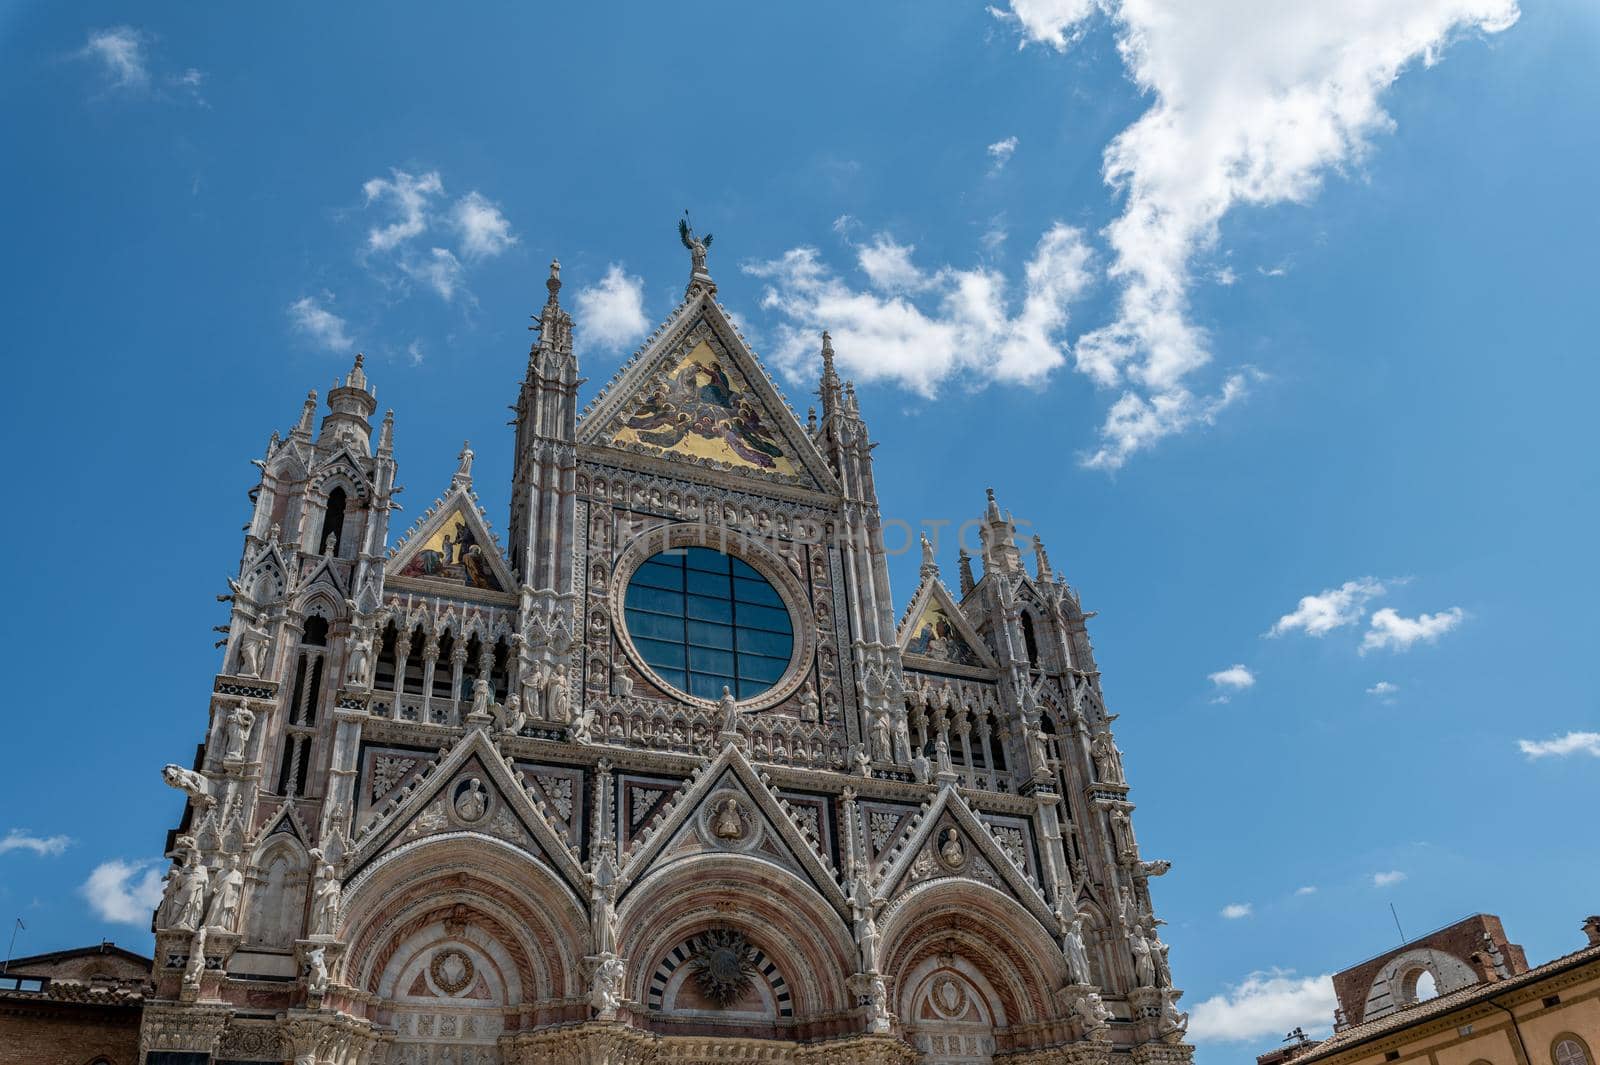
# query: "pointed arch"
[276,886]
[539,925]
[777,911]
[1017,959]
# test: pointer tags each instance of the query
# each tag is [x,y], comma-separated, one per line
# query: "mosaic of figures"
[704,408]
[453,553]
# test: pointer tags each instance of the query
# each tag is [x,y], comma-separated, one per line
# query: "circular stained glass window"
[704,621]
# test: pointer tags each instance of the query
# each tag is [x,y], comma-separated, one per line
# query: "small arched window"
[1030,641]
[1569,1050]
[333,523]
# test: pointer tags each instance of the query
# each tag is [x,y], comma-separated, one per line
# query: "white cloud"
[483,228]
[1333,608]
[414,204]
[120,51]
[1383,690]
[1001,152]
[1309,889]
[1561,746]
[1265,1003]
[1053,22]
[117,891]
[889,268]
[1298,97]
[1235,677]
[320,325]
[1235,910]
[408,196]
[414,352]
[1387,879]
[963,325]
[45,846]
[610,312]
[440,270]
[1389,629]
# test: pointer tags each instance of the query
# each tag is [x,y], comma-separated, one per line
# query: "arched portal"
[460,939]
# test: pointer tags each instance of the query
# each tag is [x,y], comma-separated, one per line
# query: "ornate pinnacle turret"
[1041,560]
[930,568]
[308,413]
[999,536]
[553,324]
[967,583]
[463,475]
[829,389]
[386,434]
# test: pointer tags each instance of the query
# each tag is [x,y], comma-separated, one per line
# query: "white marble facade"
[475,812]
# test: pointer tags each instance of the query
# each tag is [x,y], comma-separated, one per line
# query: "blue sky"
[1326,332]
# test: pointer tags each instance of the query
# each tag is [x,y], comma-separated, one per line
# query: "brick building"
[1463,995]
[73,1007]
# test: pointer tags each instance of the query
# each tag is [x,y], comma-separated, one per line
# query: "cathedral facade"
[659,775]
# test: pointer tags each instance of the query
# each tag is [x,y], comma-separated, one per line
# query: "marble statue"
[810,707]
[728,710]
[1144,966]
[512,716]
[241,719]
[1091,1011]
[253,641]
[1073,949]
[226,895]
[605,994]
[1107,759]
[317,970]
[950,849]
[481,698]
[196,786]
[189,901]
[621,683]
[556,697]
[729,825]
[325,896]
[196,962]
[472,803]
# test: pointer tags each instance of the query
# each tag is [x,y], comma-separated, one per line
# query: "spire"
[463,476]
[967,583]
[930,568]
[386,434]
[308,412]
[999,535]
[829,390]
[553,324]
[358,377]
[1041,561]
[699,277]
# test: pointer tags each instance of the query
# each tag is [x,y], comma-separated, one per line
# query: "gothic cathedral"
[659,776]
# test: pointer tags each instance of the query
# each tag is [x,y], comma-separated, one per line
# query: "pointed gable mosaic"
[936,629]
[453,546]
[704,407]
[696,392]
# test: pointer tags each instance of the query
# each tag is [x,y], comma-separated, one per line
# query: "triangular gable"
[508,813]
[345,462]
[779,839]
[924,855]
[935,629]
[452,548]
[696,392]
